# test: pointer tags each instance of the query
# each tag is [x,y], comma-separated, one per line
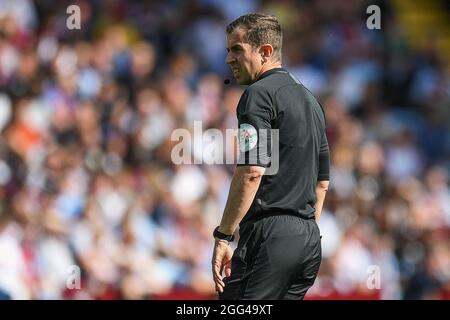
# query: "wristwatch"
[222,236]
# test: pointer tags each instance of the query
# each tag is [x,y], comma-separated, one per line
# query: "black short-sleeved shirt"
[277,100]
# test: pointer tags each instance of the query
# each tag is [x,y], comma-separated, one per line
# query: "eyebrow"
[235,46]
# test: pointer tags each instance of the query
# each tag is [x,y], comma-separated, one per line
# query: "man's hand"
[221,261]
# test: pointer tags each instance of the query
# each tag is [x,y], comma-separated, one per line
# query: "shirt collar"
[269,72]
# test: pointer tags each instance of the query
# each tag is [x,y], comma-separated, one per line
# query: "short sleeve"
[254,112]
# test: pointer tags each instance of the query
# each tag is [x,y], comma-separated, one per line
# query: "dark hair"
[261,29]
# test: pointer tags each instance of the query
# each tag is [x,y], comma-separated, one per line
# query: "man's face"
[244,60]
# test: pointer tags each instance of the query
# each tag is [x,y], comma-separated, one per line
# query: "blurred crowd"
[86,176]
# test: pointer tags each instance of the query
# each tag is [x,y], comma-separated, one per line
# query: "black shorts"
[278,257]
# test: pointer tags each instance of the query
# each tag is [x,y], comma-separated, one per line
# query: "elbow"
[323,185]
[251,175]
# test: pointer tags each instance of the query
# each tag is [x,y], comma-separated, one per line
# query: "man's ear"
[266,52]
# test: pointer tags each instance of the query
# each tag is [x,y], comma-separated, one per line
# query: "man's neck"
[267,67]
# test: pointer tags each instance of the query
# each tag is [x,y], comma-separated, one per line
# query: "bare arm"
[244,185]
[321,191]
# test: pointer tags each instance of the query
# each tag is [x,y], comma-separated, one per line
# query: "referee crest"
[248,137]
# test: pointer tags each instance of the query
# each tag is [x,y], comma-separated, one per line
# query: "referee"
[279,251]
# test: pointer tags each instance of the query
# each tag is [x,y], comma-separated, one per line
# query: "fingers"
[219,288]
[217,275]
[228,269]
[219,283]
[221,263]
[227,265]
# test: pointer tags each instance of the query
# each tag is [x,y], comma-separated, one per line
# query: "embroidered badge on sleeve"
[248,137]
